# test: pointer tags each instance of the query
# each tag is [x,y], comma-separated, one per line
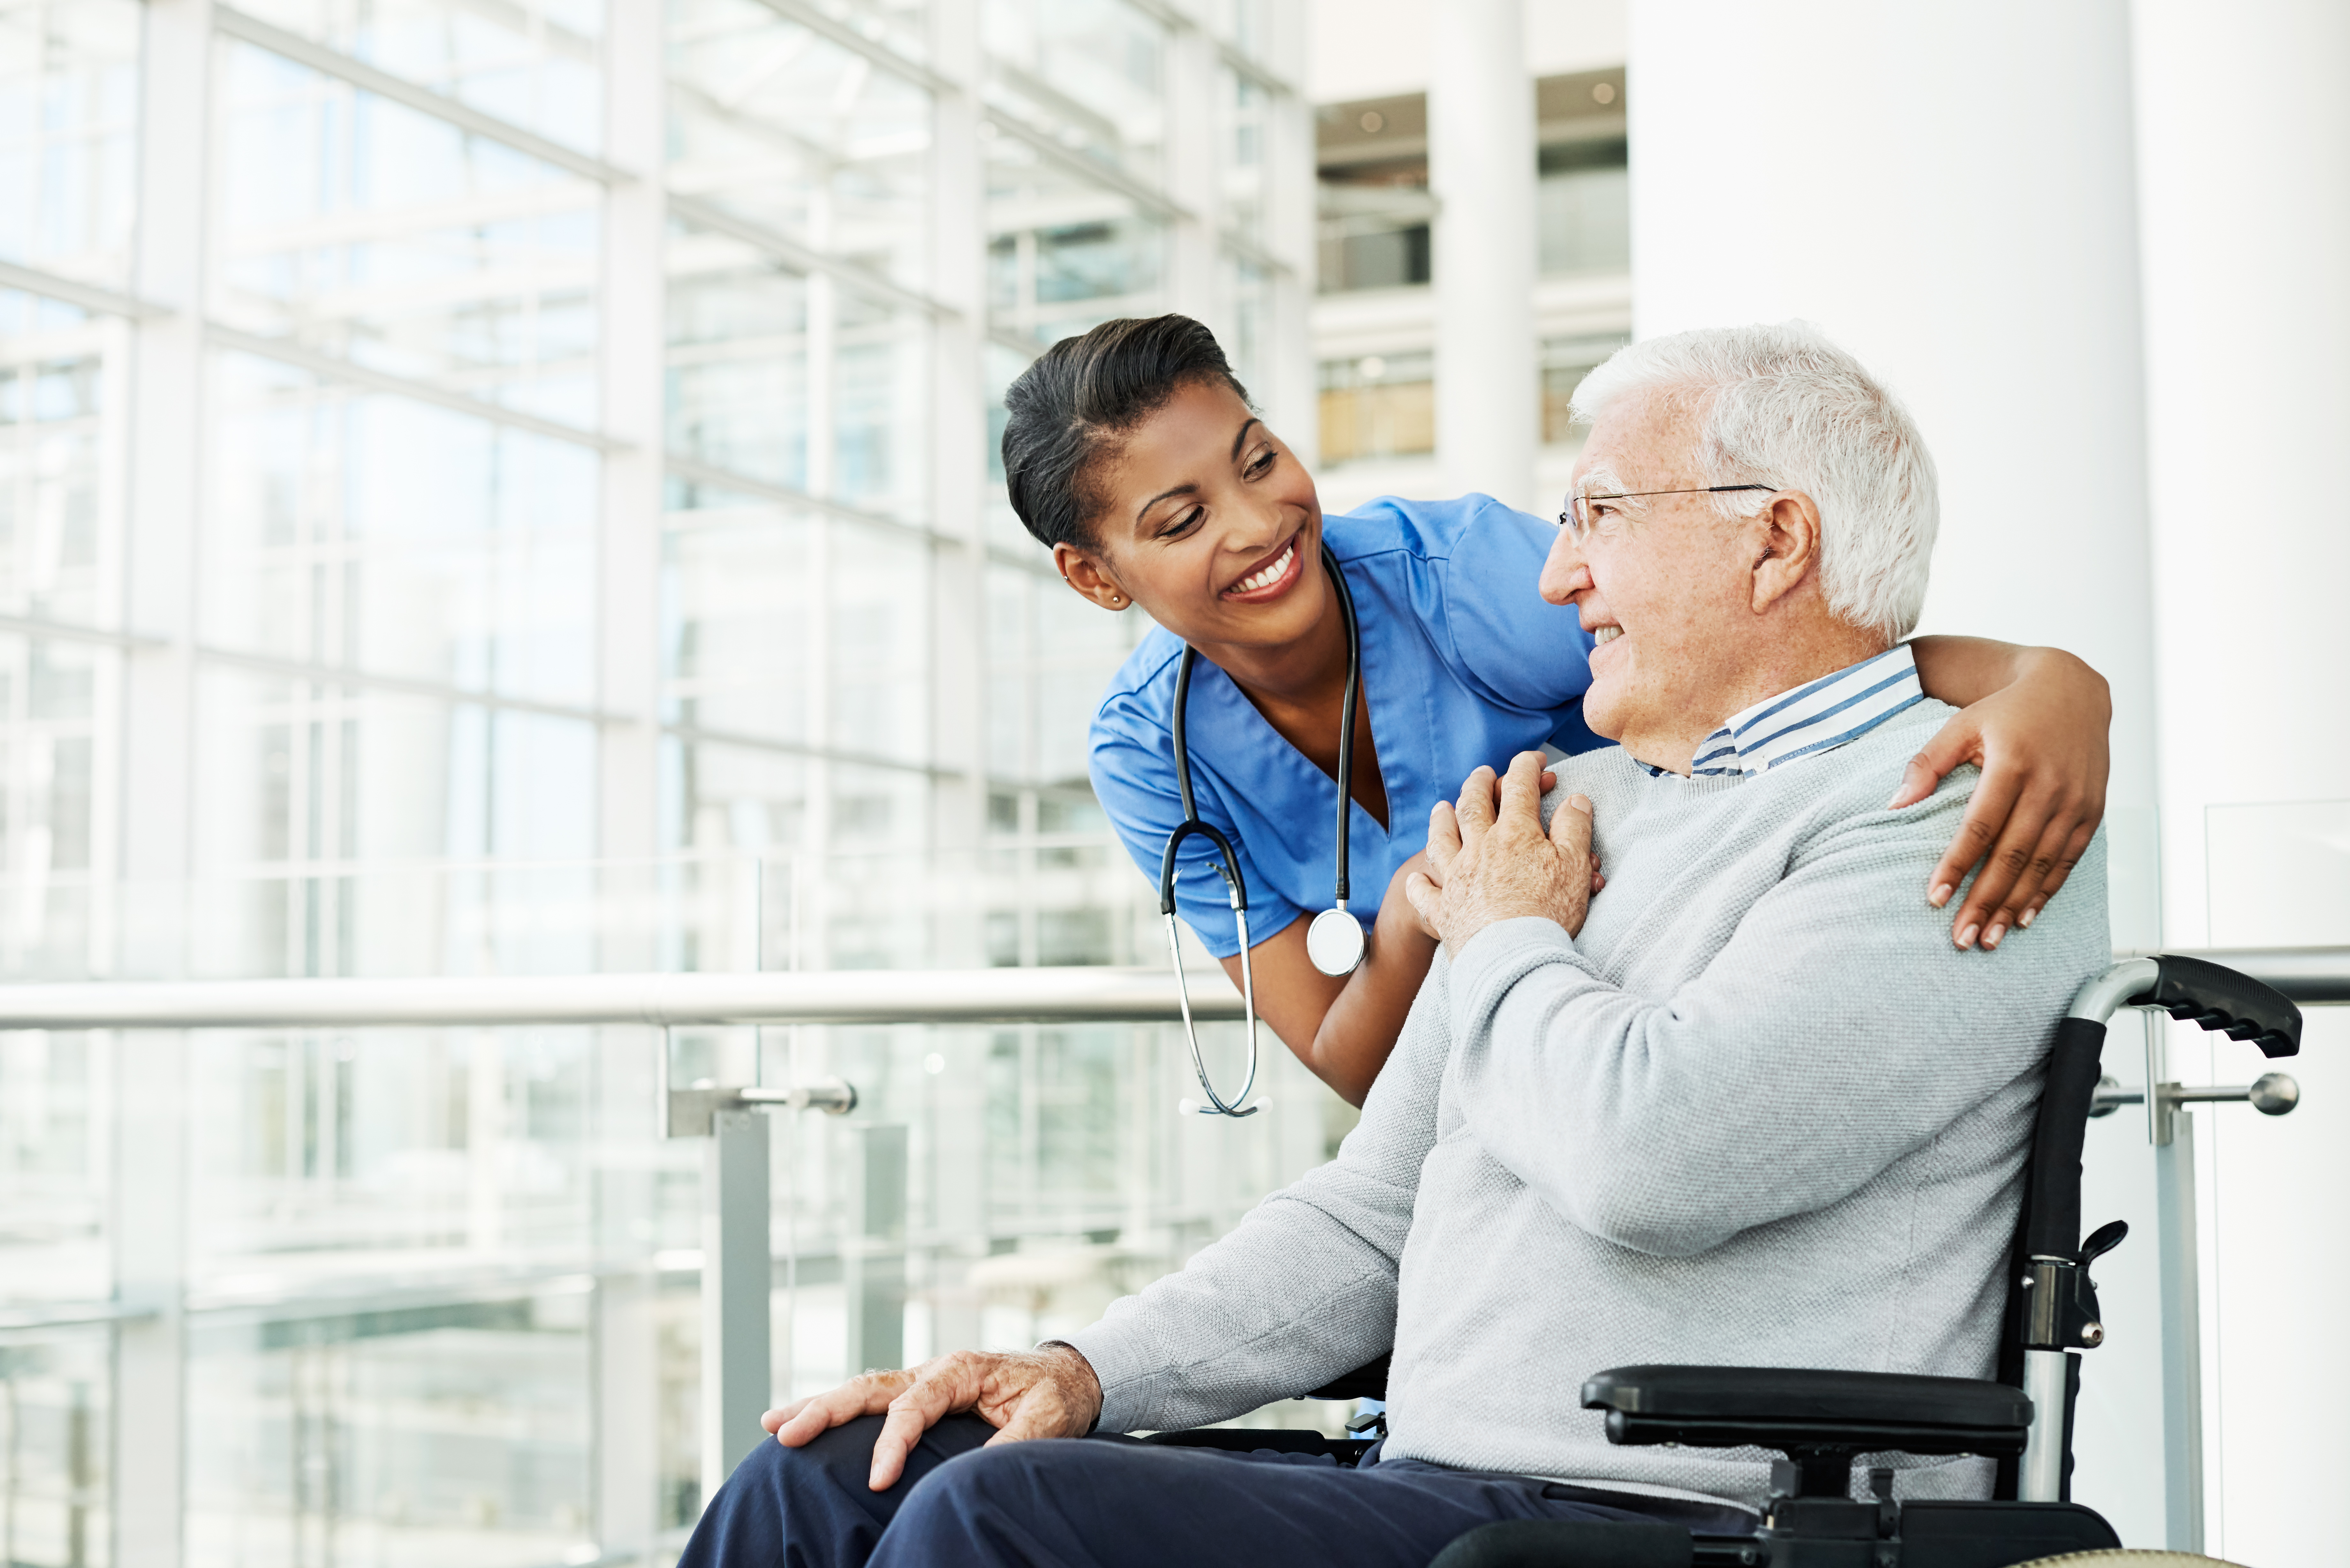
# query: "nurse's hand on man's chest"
[1490,860]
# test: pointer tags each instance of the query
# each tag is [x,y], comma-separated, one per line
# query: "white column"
[630,410]
[166,385]
[959,715]
[1188,161]
[625,1352]
[2244,187]
[1949,193]
[1292,394]
[1481,168]
[147,1223]
[958,456]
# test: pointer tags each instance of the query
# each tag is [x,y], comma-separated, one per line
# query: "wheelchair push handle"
[2213,995]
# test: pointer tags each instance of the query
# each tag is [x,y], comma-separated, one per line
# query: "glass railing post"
[873,1255]
[736,1273]
[149,1232]
[2172,1130]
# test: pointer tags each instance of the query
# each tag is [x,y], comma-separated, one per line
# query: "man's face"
[1662,580]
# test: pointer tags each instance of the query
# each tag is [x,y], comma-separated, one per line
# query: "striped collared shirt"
[1813,718]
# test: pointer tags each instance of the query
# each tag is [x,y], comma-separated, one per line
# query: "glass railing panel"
[395,1238]
[55,1410]
[456,1432]
[54,1101]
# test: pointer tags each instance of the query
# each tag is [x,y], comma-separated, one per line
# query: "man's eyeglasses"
[1577,518]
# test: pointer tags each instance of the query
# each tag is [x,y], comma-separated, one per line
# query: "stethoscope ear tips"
[1192,1107]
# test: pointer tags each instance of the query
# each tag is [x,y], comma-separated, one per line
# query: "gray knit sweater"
[1758,1112]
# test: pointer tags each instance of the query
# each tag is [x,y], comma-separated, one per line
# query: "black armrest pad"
[1369,1381]
[1780,1407]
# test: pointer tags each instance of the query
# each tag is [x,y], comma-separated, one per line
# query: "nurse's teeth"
[1268,576]
[1601,634]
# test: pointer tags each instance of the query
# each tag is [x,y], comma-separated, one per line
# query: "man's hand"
[1047,1393]
[1491,865]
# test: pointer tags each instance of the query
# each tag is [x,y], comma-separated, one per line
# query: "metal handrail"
[1077,995]
[852,996]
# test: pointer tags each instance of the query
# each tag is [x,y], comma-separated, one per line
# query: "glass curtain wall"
[508,488]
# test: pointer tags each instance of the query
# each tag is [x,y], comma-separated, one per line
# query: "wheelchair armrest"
[1369,1381]
[1790,1408]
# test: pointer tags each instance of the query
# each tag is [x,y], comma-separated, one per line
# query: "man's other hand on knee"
[1046,1393]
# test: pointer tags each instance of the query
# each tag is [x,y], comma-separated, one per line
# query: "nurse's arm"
[1343,1029]
[2035,720]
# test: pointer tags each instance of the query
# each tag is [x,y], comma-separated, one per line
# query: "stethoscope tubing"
[1345,724]
[1228,864]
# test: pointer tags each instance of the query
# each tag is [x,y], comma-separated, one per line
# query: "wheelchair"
[1821,1421]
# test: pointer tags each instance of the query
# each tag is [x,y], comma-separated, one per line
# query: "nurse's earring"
[1115,600]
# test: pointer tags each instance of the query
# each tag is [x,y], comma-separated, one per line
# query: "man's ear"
[1785,538]
[1085,575]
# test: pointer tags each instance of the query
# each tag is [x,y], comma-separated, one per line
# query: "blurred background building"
[498,488]
[507,486]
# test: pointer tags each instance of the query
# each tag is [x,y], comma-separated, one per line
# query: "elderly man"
[1746,1104]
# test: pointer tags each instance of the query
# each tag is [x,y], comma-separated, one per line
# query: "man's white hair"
[1783,406]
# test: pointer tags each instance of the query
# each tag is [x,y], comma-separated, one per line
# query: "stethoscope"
[1334,942]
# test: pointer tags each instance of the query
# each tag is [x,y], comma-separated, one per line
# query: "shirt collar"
[1815,717]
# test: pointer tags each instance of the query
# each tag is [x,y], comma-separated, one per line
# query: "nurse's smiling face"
[1202,517]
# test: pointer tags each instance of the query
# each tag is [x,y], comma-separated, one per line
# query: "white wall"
[1969,201]
[1947,192]
[2244,175]
[2244,187]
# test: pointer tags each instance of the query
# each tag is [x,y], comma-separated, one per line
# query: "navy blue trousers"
[1077,1503]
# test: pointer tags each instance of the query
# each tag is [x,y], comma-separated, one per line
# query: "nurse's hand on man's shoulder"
[1046,1393]
[1490,860]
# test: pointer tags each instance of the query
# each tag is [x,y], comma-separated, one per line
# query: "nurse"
[1131,451]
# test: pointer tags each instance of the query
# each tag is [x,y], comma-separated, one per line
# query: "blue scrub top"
[1463,665]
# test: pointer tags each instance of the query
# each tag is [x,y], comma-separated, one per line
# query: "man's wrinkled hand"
[1492,861]
[1047,1393]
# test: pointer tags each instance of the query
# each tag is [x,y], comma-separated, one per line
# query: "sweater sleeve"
[1305,1288]
[1835,1032]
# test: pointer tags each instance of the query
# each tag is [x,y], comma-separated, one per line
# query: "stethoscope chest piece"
[1334,942]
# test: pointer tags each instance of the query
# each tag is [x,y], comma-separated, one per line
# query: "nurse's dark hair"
[1068,411]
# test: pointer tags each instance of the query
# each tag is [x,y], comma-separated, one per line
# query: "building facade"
[507,488]
[1375,314]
